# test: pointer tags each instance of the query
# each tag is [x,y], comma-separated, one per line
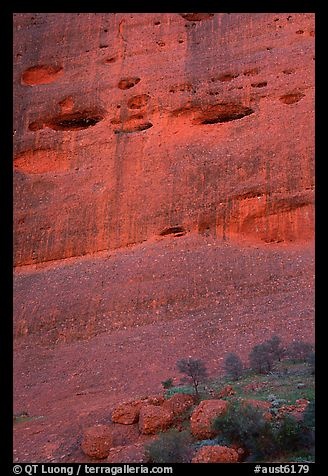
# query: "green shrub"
[261,358]
[299,351]
[167,383]
[170,447]
[306,458]
[245,426]
[233,366]
[274,346]
[311,362]
[289,434]
[309,415]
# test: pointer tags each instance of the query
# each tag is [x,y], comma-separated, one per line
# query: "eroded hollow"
[173,230]
[41,161]
[260,84]
[43,74]
[129,128]
[127,83]
[69,121]
[291,98]
[75,121]
[251,72]
[137,102]
[196,16]
[181,87]
[112,59]
[222,113]
[228,77]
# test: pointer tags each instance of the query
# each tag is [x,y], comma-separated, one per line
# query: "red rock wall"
[128,125]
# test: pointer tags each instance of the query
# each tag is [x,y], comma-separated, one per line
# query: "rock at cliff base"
[127,413]
[216,454]
[97,441]
[127,454]
[153,419]
[202,418]
[179,403]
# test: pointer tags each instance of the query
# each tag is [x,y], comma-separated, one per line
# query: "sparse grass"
[24,417]
[181,389]
[280,383]
[283,382]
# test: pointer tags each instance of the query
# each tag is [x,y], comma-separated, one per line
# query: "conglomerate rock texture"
[163,201]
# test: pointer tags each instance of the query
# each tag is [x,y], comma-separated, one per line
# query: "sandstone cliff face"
[134,126]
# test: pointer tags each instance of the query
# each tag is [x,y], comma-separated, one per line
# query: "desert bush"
[195,372]
[167,383]
[299,351]
[274,346]
[309,415]
[309,426]
[311,362]
[233,366]
[306,458]
[245,426]
[172,446]
[261,358]
[276,403]
[289,434]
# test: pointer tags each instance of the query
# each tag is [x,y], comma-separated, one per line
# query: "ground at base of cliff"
[67,386]
[283,391]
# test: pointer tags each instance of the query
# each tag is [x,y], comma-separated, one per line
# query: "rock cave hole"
[223,113]
[261,84]
[291,98]
[227,77]
[42,74]
[135,128]
[127,83]
[176,230]
[69,121]
[137,102]
[196,16]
